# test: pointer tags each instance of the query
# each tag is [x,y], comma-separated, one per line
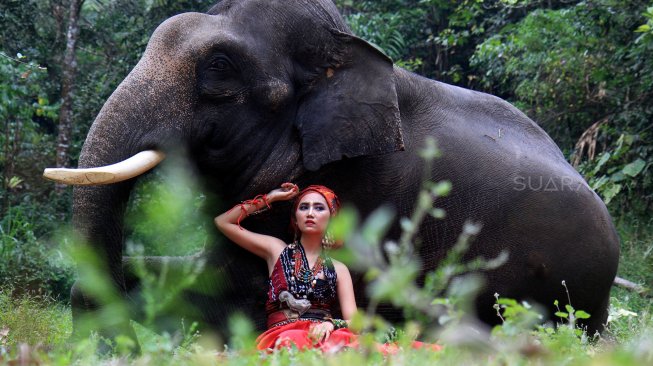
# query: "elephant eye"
[219,77]
[220,64]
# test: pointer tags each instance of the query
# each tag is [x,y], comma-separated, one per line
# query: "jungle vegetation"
[583,70]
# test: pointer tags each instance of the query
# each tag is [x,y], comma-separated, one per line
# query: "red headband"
[329,196]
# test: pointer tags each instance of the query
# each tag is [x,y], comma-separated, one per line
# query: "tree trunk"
[67,88]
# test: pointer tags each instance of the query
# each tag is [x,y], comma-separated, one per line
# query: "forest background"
[583,70]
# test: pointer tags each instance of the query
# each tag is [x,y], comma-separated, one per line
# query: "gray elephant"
[260,92]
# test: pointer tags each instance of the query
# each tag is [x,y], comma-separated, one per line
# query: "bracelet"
[338,323]
[258,211]
[254,201]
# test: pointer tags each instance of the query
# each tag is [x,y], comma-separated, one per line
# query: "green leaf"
[598,183]
[643,28]
[440,301]
[582,315]
[430,150]
[343,224]
[610,192]
[634,168]
[604,159]
[406,224]
[561,314]
[617,177]
[505,301]
[14,182]
[146,337]
[438,213]
[377,224]
[394,283]
[442,188]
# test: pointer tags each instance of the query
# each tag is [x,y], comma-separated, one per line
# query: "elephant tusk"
[126,169]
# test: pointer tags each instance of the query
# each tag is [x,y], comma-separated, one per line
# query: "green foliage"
[438,36]
[635,261]
[165,215]
[25,113]
[389,25]
[646,29]
[27,261]
[163,286]
[621,171]
[158,305]
[243,333]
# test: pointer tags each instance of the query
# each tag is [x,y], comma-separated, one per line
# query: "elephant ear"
[352,108]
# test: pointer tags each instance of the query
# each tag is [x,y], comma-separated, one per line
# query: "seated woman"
[304,282]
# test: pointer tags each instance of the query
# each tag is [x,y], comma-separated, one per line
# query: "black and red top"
[320,289]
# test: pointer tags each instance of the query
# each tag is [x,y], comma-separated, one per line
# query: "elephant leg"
[86,310]
[81,306]
[555,254]
[598,321]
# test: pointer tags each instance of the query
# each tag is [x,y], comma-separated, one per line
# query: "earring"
[327,241]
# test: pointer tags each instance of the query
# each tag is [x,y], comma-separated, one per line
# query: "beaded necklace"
[302,272]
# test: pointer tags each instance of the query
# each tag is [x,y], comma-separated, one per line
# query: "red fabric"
[276,284]
[330,197]
[297,334]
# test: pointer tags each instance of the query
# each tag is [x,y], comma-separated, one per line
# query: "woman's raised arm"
[264,246]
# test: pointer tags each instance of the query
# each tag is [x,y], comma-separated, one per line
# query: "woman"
[304,282]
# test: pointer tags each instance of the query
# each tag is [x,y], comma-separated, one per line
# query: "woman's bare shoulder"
[340,267]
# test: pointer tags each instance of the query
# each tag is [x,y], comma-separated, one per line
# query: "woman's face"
[312,214]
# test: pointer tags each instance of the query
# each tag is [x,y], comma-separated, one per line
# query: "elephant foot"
[90,318]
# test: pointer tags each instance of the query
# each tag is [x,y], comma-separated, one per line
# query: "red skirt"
[297,334]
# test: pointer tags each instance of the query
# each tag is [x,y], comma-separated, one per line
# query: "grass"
[635,264]
[33,319]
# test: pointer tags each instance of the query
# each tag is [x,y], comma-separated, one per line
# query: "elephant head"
[257,91]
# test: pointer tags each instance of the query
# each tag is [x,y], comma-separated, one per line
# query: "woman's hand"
[320,332]
[286,192]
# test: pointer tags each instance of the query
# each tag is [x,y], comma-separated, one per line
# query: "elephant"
[260,92]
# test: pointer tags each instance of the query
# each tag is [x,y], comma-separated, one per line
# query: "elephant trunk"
[150,110]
